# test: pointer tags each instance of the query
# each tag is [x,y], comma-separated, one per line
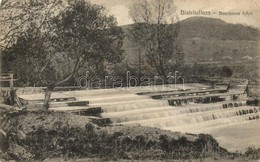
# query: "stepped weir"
[197,110]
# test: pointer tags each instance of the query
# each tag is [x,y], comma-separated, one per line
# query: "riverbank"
[41,135]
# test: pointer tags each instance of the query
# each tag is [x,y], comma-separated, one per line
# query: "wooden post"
[232,97]
[11,80]
[1,65]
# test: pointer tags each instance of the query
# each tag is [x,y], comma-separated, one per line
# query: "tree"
[156,33]
[81,35]
[16,16]
[22,57]
[226,71]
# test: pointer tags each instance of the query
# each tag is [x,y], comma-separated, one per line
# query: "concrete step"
[182,119]
[131,105]
[110,99]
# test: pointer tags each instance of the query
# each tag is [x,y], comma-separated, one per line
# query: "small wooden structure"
[60,102]
[185,93]
[7,80]
[176,98]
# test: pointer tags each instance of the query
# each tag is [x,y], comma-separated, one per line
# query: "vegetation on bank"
[43,135]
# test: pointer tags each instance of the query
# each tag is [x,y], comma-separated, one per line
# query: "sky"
[120,9]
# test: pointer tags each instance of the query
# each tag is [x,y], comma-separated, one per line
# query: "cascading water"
[127,108]
[224,120]
[190,118]
[138,112]
[131,105]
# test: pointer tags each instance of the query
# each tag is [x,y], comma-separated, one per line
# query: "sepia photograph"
[129,80]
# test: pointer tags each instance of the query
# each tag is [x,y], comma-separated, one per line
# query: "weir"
[207,127]
[134,105]
[182,119]
[160,112]
[138,107]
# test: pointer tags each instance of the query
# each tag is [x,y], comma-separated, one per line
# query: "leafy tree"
[22,56]
[156,34]
[81,35]
[16,17]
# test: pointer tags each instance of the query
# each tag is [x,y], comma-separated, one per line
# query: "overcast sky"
[120,8]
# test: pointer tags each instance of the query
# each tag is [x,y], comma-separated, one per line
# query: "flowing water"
[234,125]
[131,109]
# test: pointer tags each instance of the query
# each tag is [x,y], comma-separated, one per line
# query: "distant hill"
[210,28]
[208,39]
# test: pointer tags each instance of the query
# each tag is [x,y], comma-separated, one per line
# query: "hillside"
[207,39]
[210,28]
